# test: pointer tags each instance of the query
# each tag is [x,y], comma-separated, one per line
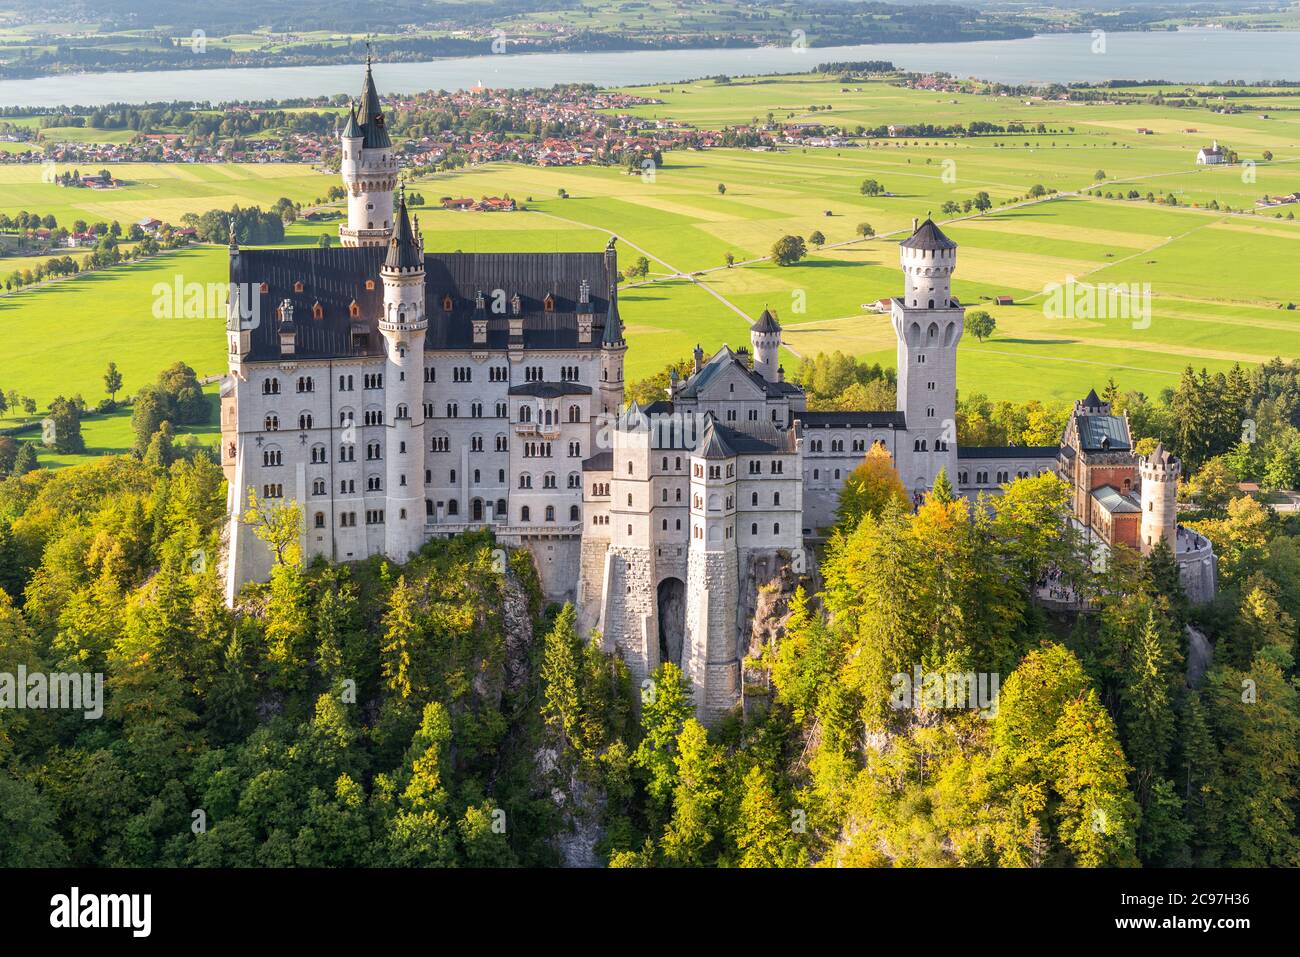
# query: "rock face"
[518,625]
[771,612]
[1199,655]
[580,805]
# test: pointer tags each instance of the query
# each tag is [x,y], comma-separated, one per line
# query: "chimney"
[916,224]
[699,358]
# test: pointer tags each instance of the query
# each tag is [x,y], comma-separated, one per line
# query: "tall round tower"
[765,337]
[403,325]
[928,323]
[369,168]
[1159,472]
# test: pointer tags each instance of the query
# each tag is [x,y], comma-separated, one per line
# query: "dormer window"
[297,287]
[516,304]
[264,289]
[370,285]
[548,304]
[354,310]
[317,311]
[447,303]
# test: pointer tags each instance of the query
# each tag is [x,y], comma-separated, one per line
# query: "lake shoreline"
[1043,59]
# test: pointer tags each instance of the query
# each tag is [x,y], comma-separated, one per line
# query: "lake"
[1183,56]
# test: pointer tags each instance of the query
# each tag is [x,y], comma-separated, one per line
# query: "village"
[568,126]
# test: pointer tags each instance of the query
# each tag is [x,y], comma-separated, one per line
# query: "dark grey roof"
[1103,433]
[404,247]
[1161,456]
[1008,451]
[350,128]
[1091,400]
[766,322]
[719,361]
[758,439]
[613,323]
[714,446]
[550,390]
[600,462]
[928,236]
[372,115]
[336,277]
[851,420]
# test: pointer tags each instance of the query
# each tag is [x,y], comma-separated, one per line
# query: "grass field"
[1219,282]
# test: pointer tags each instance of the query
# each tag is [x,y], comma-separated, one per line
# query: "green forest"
[441,713]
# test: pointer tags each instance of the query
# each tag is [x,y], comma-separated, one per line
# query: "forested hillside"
[438,714]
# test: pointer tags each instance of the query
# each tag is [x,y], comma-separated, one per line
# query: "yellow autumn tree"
[870,488]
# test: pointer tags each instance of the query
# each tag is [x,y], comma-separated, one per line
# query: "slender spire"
[372,113]
[613,322]
[404,248]
[350,129]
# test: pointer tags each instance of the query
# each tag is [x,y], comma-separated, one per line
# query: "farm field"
[1219,283]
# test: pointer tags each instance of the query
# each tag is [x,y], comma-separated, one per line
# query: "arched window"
[574,513]
[524,514]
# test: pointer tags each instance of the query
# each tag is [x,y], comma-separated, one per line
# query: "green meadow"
[1218,282]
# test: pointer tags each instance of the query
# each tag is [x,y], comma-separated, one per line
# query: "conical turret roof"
[372,114]
[766,322]
[613,322]
[404,248]
[350,129]
[928,236]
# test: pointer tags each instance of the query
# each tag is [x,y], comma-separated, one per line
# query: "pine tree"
[762,830]
[689,838]
[1200,783]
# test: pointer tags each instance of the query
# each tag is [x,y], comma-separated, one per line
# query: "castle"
[398,396]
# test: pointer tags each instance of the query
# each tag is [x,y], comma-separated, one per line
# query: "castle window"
[524,514]
[304,421]
[550,513]
[453,507]
[753,498]
[271,386]
[318,487]
[629,466]
[753,529]
[776,496]
[271,422]
[776,528]
[297,286]
[320,519]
